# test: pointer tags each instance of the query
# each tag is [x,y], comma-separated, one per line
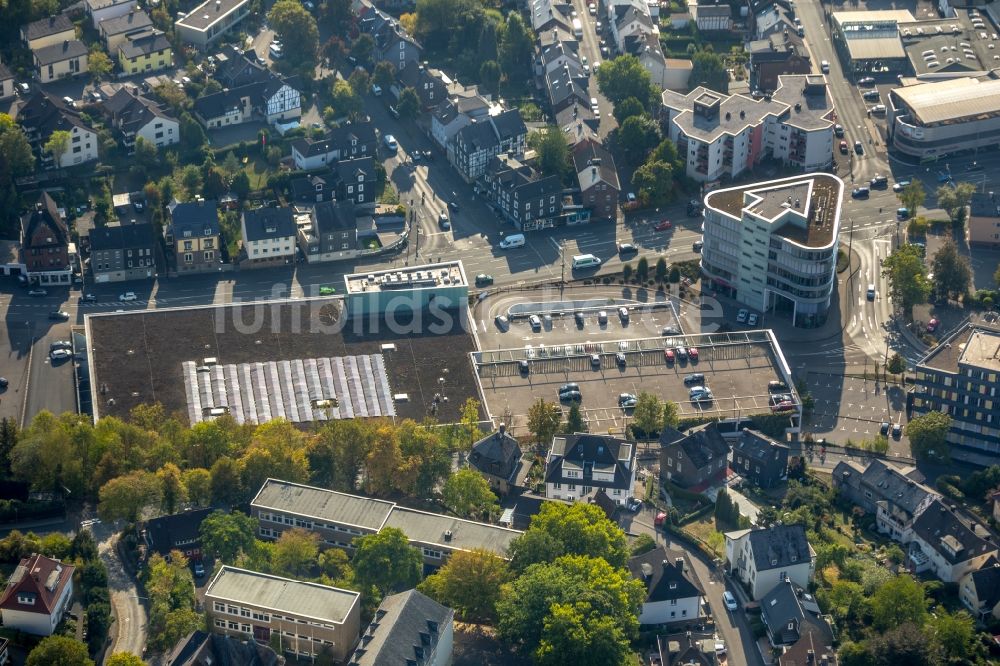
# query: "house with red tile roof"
[37,595]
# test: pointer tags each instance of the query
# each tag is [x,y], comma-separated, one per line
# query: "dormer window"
[795,558]
[361,177]
[271,230]
[673,586]
[187,233]
[26,598]
[208,231]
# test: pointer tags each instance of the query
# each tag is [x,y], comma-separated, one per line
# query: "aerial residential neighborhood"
[499,332]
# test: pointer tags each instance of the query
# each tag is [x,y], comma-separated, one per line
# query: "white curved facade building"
[773,245]
[943,117]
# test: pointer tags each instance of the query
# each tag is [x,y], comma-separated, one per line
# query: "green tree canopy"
[297,30]
[647,416]
[468,494]
[899,601]
[517,47]
[655,182]
[574,529]
[928,432]
[124,497]
[637,136]
[954,635]
[385,74]
[226,535]
[295,552]
[625,77]
[409,103]
[543,420]
[59,651]
[709,70]
[123,659]
[574,420]
[57,145]
[99,63]
[627,108]
[952,272]
[577,609]
[469,582]
[954,198]
[345,100]
[552,149]
[387,561]
[908,284]
[913,196]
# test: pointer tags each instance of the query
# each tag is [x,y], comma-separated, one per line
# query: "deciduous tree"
[226,488]
[647,417]
[708,69]
[543,420]
[637,135]
[627,108]
[671,414]
[99,63]
[198,482]
[385,74]
[908,284]
[927,433]
[295,552]
[573,529]
[297,29]
[57,145]
[409,103]
[954,199]
[899,601]
[625,77]
[516,49]
[226,535]
[469,582]
[125,497]
[386,561]
[59,651]
[172,489]
[552,149]
[952,272]
[913,196]
[123,659]
[468,494]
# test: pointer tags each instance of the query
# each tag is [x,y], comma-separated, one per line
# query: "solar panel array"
[299,390]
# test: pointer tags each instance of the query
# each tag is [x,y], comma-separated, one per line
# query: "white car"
[752,319]
[741,317]
[128,296]
[825,66]
[592,8]
[60,354]
[390,142]
[729,600]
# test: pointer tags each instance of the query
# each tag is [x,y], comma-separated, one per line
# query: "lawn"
[258,171]
[706,531]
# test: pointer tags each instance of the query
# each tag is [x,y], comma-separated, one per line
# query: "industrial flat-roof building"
[402,291]
[960,377]
[726,135]
[869,41]
[943,117]
[210,20]
[773,245]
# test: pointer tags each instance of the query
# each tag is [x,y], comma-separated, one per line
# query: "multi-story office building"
[773,245]
[304,619]
[722,135]
[210,21]
[943,117]
[960,378]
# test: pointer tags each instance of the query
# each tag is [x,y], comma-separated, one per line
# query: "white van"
[512,241]
[585,261]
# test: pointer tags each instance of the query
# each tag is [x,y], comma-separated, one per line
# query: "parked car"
[38,292]
[682,353]
[4,383]
[627,248]
[443,222]
[128,296]
[698,244]
[199,570]
[741,316]
[776,386]
[623,314]
[694,378]
[566,388]
[578,316]
[871,95]
[752,319]
[838,130]
[60,354]
[502,322]
[602,317]
[327,290]
[620,359]
[484,280]
[570,396]
[536,322]
[595,360]
[523,366]
[693,353]
[60,315]
[61,344]
[884,429]
[859,148]
[669,355]
[843,148]
[897,431]
[933,324]
[866,81]
[390,142]
[627,400]
[664,225]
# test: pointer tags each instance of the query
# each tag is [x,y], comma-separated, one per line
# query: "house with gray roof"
[979,590]
[269,236]
[455,113]
[134,115]
[567,86]
[789,612]
[598,178]
[305,619]
[477,142]
[48,31]
[693,459]
[358,182]
[347,141]
[114,31]
[948,544]
[673,593]
[408,628]
[759,459]
[895,495]
[42,115]
[578,465]
[62,60]
[123,252]
[497,457]
[763,558]
[334,231]
[194,235]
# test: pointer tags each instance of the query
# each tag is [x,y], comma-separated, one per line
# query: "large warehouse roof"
[952,100]
[873,35]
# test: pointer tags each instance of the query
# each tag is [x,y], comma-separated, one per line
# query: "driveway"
[128,633]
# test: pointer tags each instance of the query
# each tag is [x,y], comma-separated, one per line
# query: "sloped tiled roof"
[779,546]
[165,532]
[590,453]
[46,214]
[122,237]
[496,454]
[39,578]
[666,573]
[594,164]
[44,27]
[406,627]
[704,444]
[53,53]
[133,21]
[954,539]
[257,222]
[45,113]
[194,217]
[144,43]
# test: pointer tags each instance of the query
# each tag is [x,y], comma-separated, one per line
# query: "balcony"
[919,562]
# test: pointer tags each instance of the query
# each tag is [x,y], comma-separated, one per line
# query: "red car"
[664,225]
[669,355]
[693,353]
[932,325]
[843,147]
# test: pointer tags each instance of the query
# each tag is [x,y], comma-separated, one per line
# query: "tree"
[469,582]
[574,420]
[955,198]
[170,587]
[552,149]
[226,535]
[18,161]
[409,103]
[489,76]
[896,365]
[709,70]
[625,77]
[897,602]
[226,490]
[661,270]
[671,414]
[544,420]
[627,108]
[145,154]
[295,552]
[642,269]
[906,644]
[192,134]
[297,30]
[655,181]
[952,273]
[913,196]
[59,651]
[638,135]
[517,47]
[99,63]
[338,452]
[927,433]
[336,14]
[172,490]
[198,482]
[362,48]
[125,497]
[647,417]
[333,562]
[359,82]
[468,494]
[489,46]
[57,145]
[387,561]
[954,634]
[240,186]
[276,450]
[572,529]
[123,659]
[577,609]
[908,284]
[385,74]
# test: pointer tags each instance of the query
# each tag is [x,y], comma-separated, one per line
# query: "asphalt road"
[128,633]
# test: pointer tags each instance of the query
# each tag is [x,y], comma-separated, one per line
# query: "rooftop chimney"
[810,657]
[502,429]
[679,563]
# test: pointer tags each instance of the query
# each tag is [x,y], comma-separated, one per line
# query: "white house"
[136,116]
[269,236]
[37,595]
[672,591]
[763,558]
[579,465]
[101,10]
[947,545]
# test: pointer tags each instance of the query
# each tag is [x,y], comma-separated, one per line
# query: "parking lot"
[854,408]
[736,367]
